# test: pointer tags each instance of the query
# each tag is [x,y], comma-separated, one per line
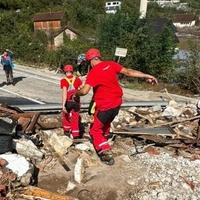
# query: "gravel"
[168,178]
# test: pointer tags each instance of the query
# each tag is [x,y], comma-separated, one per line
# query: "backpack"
[71,89]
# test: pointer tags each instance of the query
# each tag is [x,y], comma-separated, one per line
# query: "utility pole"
[143,8]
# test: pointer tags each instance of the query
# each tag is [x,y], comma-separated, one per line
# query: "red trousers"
[70,122]
[100,129]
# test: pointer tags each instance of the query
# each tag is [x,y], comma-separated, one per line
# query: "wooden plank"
[146,131]
[180,134]
[32,124]
[41,193]
[160,140]
[8,110]
[142,116]
[177,122]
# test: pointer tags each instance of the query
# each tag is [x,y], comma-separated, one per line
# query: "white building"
[163,3]
[58,38]
[113,6]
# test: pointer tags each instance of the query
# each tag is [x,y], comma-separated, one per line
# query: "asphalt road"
[32,86]
[41,86]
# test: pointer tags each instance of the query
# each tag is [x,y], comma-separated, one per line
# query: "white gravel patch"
[168,178]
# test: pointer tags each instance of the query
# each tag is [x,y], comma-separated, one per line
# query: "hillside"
[148,50]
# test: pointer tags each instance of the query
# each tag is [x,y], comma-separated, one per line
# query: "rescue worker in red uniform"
[70,104]
[107,95]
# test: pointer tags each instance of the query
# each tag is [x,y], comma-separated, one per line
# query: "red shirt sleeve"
[63,83]
[91,79]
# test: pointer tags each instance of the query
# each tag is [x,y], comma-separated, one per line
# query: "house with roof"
[184,20]
[58,37]
[164,3]
[48,21]
[52,24]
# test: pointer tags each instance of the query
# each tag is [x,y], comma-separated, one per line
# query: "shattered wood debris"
[176,124]
[44,194]
[26,121]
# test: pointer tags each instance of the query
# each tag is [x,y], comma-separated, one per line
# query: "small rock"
[131,182]
[162,196]
[119,126]
[70,186]
[83,147]
[133,123]
[3,163]
[26,179]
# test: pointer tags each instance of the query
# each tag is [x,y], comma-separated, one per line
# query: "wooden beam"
[41,193]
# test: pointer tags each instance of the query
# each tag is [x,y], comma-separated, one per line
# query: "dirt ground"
[100,181]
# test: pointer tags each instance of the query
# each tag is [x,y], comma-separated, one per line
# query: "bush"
[189,76]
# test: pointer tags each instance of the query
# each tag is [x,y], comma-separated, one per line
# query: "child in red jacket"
[70,105]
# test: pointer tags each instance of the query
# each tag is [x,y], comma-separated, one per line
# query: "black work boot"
[106,157]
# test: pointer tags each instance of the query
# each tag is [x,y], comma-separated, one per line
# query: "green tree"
[148,50]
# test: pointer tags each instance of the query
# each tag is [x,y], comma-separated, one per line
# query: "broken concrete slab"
[28,149]
[17,163]
[59,143]
[79,170]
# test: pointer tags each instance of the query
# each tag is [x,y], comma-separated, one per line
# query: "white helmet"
[81,58]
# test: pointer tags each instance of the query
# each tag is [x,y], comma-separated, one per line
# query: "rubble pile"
[6,177]
[176,126]
[40,143]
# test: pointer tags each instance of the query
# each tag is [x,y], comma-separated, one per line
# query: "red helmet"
[92,53]
[68,68]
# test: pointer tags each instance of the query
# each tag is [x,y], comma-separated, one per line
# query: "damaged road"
[156,150]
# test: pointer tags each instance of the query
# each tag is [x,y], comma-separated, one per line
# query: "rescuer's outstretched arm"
[138,74]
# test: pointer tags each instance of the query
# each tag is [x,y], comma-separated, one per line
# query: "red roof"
[50,16]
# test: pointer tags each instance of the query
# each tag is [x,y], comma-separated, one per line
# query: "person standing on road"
[107,95]
[70,105]
[6,61]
